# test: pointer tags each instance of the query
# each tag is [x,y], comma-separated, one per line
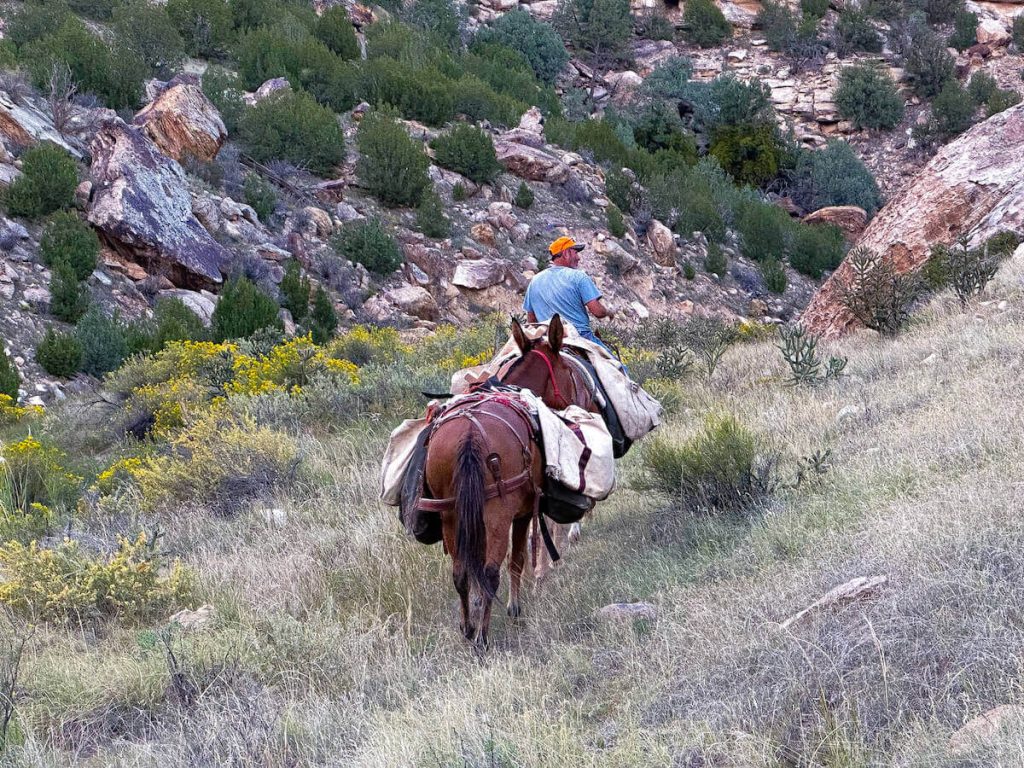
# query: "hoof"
[574,533]
[514,610]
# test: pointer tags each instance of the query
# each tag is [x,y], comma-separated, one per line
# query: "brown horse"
[548,372]
[484,471]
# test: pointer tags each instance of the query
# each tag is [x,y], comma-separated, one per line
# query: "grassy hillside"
[334,638]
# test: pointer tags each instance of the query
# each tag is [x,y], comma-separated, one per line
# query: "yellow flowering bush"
[289,366]
[754,330]
[223,459]
[35,473]
[66,584]
[12,413]
[364,344]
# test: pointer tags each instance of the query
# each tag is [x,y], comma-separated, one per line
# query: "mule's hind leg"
[574,533]
[517,562]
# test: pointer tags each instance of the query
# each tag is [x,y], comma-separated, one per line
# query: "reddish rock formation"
[849,218]
[974,185]
[182,121]
[142,205]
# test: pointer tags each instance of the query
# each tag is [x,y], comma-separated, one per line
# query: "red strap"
[551,372]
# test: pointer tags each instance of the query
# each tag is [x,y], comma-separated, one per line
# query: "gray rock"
[628,611]
[141,202]
[479,273]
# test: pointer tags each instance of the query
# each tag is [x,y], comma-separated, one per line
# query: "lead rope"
[551,373]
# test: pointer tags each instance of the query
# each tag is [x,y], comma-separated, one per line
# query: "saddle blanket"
[576,445]
[638,412]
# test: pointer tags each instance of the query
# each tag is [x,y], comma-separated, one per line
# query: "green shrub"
[774,275]
[670,79]
[445,20]
[982,87]
[778,23]
[469,151]
[750,154]
[1001,100]
[684,201]
[422,94]
[704,24]
[205,25]
[68,239]
[938,11]
[224,90]
[952,111]
[965,30]
[174,321]
[816,249]
[1018,31]
[619,189]
[293,127]
[369,244]
[764,231]
[458,192]
[242,310]
[876,294]
[114,74]
[835,176]
[47,183]
[715,261]
[295,289]
[602,28]
[150,33]
[334,30]
[535,40]
[324,320]
[658,126]
[927,63]
[689,271]
[477,100]
[35,20]
[524,196]
[430,218]
[966,270]
[59,354]
[391,165]
[868,97]
[103,342]
[261,195]
[728,101]
[69,298]
[652,25]
[10,379]
[616,223]
[716,468]
[854,32]
[815,8]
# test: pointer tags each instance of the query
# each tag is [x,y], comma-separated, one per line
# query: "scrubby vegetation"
[293,127]
[705,25]
[392,166]
[47,183]
[867,96]
[469,151]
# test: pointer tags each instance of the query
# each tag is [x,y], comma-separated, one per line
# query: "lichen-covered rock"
[23,124]
[660,238]
[183,122]
[142,206]
[478,274]
[414,300]
[531,163]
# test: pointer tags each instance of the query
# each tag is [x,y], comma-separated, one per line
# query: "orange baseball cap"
[564,244]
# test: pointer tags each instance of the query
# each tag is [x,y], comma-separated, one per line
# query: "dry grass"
[336,639]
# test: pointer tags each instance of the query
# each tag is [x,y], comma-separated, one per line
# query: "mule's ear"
[520,337]
[556,332]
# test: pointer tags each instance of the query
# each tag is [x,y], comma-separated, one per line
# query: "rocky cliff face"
[974,186]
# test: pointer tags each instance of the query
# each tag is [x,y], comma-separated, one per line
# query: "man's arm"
[599,310]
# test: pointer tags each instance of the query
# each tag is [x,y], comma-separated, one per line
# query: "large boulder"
[531,163]
[478,274]
[142,206]
[661,241]
[23,123]
[851,219]
[414,300]
[183,122]
[973,186]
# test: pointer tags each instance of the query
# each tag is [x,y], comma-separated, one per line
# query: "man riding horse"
[565,289]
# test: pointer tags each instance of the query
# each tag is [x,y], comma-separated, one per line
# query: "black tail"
[469,507]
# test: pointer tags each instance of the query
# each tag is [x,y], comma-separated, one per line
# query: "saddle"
[620,442]
[420,513]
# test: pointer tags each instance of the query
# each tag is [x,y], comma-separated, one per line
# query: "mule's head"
[543,371]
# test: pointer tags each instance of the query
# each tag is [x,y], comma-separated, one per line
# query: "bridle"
[553,379]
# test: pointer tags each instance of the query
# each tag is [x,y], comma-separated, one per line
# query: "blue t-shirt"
[565,291]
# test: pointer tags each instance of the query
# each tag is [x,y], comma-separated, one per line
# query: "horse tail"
[470,496]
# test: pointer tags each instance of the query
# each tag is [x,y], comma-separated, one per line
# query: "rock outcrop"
[142,206]
[973,186]
[23,124]
[181,121]
[851,219]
